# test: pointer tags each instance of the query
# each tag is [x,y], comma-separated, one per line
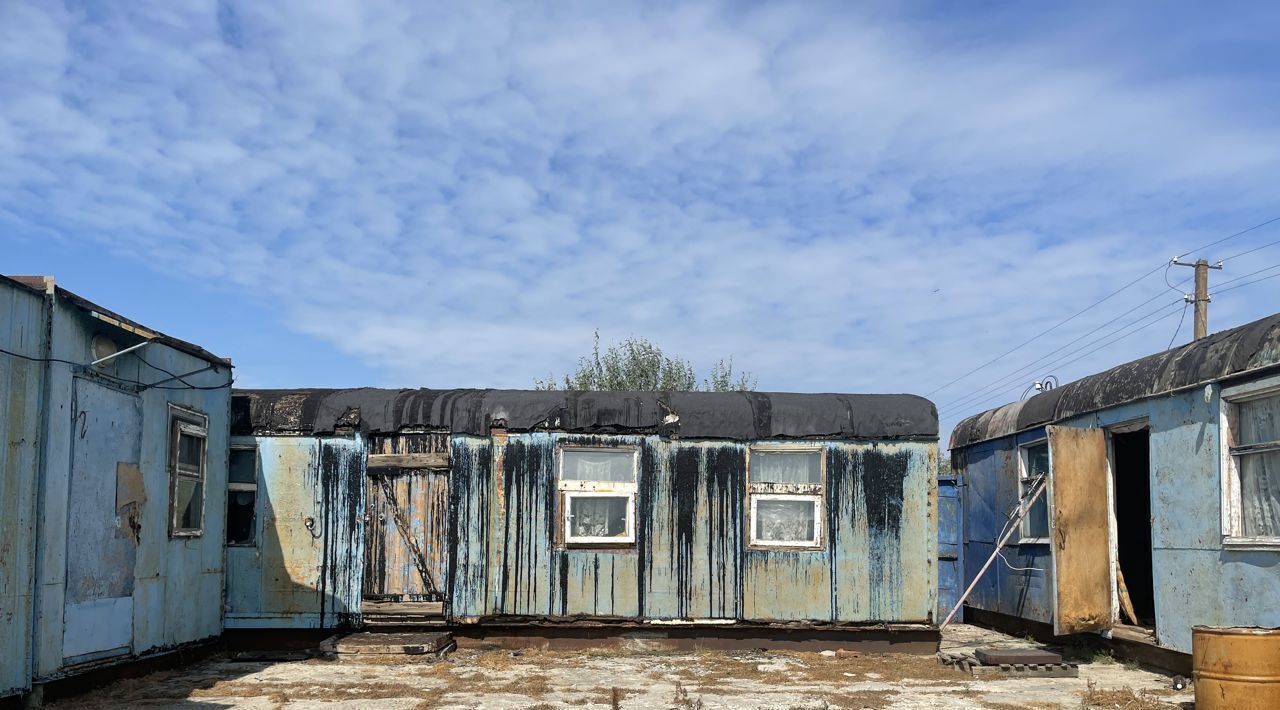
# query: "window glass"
[190,451]
[598,516]
[786,467]
[1037,460]
[1258,421]
[243,466]
[240,517]
[1036,522]
[189,503]
[602,465]
[785,520]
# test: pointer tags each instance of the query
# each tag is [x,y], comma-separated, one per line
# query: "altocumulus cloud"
[871,199]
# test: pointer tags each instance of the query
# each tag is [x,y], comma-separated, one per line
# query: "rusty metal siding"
[690,559]
[306,567]
[22,330]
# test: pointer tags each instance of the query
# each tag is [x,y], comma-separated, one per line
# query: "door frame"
[1127,426]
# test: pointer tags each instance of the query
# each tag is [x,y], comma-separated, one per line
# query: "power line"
[1170,314]
[1250,251]
[1044,332]
[1100,302]
[1247,283]
[1229,237]
[1022,370]
[125,380]
[1251,273]
[1011,380]
[1181,319]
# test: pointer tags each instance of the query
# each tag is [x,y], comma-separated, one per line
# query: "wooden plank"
[1079,529]
[438,460]
[368,607]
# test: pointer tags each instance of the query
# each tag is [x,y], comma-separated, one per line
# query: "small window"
[1253,471]
[242,496]
[188,437]
[1033,469]
[785,487]
[597,495]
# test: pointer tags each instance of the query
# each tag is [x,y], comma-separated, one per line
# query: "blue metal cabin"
[472,506]
[93,569]
[1162,472]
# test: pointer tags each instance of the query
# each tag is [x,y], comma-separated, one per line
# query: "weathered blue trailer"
[1162,509]
[112,487]
[486,507]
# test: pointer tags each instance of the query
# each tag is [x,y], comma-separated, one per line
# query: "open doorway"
[1131,459]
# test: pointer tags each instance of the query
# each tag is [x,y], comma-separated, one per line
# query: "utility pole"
[1201,299]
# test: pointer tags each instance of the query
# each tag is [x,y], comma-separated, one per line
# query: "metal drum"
[1236,668]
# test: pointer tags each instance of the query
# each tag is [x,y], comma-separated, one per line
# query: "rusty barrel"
[1237,668]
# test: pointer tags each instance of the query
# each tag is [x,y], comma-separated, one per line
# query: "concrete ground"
[639,677]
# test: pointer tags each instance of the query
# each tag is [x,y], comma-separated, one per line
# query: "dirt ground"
[639,677]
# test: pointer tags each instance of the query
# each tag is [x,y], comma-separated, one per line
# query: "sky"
[844,197]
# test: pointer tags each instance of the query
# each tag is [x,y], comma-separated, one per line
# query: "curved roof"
[744,416]
[1249,347]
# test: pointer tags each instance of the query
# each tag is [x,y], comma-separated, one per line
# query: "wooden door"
[1079,529]
[407,523]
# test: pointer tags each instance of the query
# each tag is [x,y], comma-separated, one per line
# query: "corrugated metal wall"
[305,569]
[23,331]
[690,559]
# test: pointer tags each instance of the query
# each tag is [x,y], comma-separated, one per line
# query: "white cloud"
[460,194]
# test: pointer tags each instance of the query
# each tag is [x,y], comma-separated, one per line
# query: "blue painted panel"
[22,385]
[950,547]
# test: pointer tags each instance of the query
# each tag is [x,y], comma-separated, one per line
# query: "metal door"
[950,563]
[1079,529]
[104,514]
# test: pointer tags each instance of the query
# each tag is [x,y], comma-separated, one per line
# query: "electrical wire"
[1010,380]
[1170,314]
[128,381]
[1229,237]
[1181,319]
[1045,332]
[1099,302]
[1245,276]
[1247,283]
[1035,363]
[1250,251]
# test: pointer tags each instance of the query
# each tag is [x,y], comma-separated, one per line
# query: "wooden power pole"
[1201,299]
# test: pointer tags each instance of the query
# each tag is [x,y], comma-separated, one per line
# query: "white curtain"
[786,468]
[1259,423]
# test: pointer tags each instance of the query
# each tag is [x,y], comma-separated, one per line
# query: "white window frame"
[571,489]
[192,423]
[235,486]
[814,541]
[1024,478]
[812,492]
[1232,507]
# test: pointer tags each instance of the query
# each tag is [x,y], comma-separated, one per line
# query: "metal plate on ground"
[997,656]
[390,644]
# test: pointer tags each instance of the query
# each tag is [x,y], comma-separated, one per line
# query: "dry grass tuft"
[1125,698]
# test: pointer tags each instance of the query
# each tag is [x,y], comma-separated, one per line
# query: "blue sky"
[844,197]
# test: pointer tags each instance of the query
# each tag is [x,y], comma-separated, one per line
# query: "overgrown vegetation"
[636,364]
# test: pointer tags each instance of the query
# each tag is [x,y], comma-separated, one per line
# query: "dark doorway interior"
[1132,458]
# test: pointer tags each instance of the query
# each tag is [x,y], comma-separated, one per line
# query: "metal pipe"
[118,353]
[1022,513]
